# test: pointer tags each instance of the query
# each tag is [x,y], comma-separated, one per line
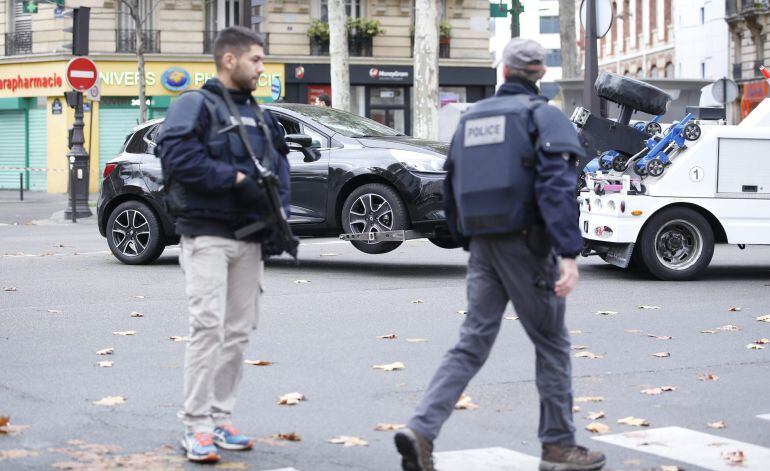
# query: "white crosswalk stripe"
[485,459]
[692,447]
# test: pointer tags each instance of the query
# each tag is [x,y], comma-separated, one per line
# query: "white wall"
[698,43]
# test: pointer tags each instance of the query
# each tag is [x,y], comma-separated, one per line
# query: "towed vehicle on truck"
[350,177]
[662,202]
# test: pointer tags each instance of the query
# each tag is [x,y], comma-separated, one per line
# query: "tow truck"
[715,189]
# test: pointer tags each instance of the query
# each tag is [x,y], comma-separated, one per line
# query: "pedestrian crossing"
[682,446]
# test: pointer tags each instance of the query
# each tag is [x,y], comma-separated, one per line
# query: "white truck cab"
[715,189]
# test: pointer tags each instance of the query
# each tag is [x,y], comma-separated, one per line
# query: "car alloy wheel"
[371,213]
[134,233]
[131,233]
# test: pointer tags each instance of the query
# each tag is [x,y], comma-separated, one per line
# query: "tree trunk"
[338,55]
[140,63]
[426,100]
[570,63]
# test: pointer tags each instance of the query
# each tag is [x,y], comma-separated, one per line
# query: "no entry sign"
[81,73]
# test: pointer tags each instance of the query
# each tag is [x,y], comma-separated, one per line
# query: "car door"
[309,177]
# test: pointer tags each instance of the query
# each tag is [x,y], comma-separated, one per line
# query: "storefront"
[34,117]
[384,93]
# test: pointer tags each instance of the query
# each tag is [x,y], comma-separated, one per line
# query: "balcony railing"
[209,37]
[444,48]
[748,70]
[736,8]
[125,41]
[18,43]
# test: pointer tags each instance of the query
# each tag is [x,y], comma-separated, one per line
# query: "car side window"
[319,141]
[137,145]
[289,125]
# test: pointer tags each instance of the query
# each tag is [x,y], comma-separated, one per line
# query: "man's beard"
[243,81]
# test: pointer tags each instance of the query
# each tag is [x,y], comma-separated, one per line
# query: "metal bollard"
[21,186]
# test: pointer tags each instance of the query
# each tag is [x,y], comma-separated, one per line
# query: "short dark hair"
[236,40]
[326,99]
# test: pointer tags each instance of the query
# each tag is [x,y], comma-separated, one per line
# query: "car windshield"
[347,124]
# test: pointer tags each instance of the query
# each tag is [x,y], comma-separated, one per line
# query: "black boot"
[416,451]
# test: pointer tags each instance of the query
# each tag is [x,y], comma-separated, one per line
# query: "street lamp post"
[591,100]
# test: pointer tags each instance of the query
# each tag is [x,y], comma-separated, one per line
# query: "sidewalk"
[38,206]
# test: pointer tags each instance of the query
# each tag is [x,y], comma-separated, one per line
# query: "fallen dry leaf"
[106,351]
[644,306]
[734,309]
[595,415]
[104,364]
[762,341]
[660,337]
[511,318]
[232,465]
[708,331]
[176,338]
[300,282]
[717,425]
[575,332]
[289,437]
[753,346]
[668,388]
[670,468]
[258,362]
[597,427]
[125,333]
[140,296]
[590,355]
[329,254]
[388,427]
[734,457]
[764,318]
[136,314]
[579,347]
[633,331]
[291,399]
[729,328]
[15,454]
[634,421]
[466,403]
[54,311]
[387,337]
[606,313]
[418,301]
[575,409]
[652,392]
[347,441]
[463,313]
[589,399]
[709,377]
[110,401]
[390,366]
[4,420]
[416,340]
[661,354]
[9,288]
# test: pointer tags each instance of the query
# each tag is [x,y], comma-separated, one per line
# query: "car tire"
[627,91]
[445,242]
[134,233]
[374,207]
[676,244]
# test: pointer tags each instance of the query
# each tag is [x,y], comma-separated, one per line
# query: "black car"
[349,175]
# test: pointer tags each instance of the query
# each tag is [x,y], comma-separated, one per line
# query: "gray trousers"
[222,278]
[503,268]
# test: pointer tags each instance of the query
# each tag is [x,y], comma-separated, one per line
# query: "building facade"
[178,37]
[749,22]
[701,31]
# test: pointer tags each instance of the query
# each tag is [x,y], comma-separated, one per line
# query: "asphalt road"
[71,295]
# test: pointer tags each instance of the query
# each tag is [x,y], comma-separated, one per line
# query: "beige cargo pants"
[222,279]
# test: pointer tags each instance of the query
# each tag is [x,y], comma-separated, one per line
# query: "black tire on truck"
[676,244]
[134,233]
[374,207]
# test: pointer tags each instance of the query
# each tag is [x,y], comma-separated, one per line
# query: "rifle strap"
[242,130]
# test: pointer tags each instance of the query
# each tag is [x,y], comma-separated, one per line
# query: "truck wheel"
[620,163]
[692,132]
[134,234]
[374,207]
[638,95]
[652,128]
[676,244]
[655,167]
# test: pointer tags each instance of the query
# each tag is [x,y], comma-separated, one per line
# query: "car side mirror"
[303,140]
[152,148]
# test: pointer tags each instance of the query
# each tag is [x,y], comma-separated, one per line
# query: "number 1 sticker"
[696,174]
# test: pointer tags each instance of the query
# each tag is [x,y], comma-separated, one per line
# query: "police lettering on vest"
[493,157]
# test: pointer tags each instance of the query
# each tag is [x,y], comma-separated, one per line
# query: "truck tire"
[676,244]
[134,233]
[374,207]
[634,93]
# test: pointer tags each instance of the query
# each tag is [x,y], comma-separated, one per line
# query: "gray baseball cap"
[523,54]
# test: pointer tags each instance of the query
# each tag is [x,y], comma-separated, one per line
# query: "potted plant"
[318,32]
[360,34]
[444,37]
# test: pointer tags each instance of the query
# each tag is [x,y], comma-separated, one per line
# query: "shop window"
[357,100]
[387,96]
[549,24]
[452,95]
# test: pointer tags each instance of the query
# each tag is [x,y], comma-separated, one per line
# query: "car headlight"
[419,162]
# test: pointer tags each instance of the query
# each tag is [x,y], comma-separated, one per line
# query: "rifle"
[282,239]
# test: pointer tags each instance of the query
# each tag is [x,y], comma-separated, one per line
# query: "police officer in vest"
[212,191]
[510,197]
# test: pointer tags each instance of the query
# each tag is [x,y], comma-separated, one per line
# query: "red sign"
[313,91]
[81,73]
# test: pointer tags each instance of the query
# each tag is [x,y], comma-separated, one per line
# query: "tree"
[570,64]
[338,55]
[426,100]
[134,11]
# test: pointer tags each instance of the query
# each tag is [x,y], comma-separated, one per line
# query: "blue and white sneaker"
[200,447]
[229,438]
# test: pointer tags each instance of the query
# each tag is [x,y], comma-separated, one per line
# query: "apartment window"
[702,15]
[126,32]
[553,57]
[353,9]
[702,70]
[669,70]
[654,71]
[549,24]
[18,39]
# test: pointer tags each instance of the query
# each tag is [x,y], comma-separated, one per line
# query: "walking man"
[212,190]
[510,197]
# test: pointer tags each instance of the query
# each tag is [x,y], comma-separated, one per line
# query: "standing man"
[212,190]
[510,197]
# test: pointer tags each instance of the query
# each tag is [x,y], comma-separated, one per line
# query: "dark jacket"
[556,178]
[201,155]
